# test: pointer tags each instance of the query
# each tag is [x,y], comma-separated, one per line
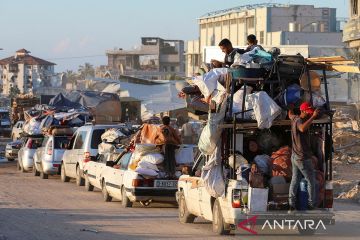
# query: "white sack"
[184,155]
[211,132]
[106,148]
[238,99]
[112,135]
[146,172]
[265,109]
[212,175]
[209,81]
[153,158]
[147,165]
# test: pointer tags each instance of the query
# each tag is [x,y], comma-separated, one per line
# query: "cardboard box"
[258,199]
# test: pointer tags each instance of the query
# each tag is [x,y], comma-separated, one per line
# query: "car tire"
[63,176]
[218,224]
[18,167]
[184,215]
[79,180]
[125,201]
[44,175]
[105,193]
[306,232]
[88,186]
[35,171]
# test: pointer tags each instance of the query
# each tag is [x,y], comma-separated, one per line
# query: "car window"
[125,160]
[34,143]
[80,140]
[96,138]
[62,142]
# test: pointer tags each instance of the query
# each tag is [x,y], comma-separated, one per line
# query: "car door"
[193,186]
[77,152]
[116,174]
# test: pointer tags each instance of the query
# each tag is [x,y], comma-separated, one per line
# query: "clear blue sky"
[76,28]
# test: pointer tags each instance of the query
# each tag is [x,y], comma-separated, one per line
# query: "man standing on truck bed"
[301,153]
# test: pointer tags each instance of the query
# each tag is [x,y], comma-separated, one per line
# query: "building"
[352,28]
[273,24]
[26,72]
[156,58]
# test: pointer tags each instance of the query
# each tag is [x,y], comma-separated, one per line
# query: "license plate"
[165,183]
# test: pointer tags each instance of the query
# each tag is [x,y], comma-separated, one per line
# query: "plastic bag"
[147,165]
[146,172]
[211,132]
[153,158]
[212,175]
[112,135]
[184,155]
[265,109]
[32,127]
[263,162]
[238,99]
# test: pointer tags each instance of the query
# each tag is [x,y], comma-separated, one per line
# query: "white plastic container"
[258,199]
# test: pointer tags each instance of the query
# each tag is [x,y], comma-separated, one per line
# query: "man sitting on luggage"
[231,54]
[252,43]
[301,153]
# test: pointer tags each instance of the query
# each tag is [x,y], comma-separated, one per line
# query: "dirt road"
[32,208]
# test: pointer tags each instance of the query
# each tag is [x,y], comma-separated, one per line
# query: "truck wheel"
[306,232]
[125,201]
[106,196]
[88,186]
[35,171]
[184,215]
[63,176]
[79,180]
[219,226]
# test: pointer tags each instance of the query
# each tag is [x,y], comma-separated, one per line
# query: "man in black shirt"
[301,153]
[231,54]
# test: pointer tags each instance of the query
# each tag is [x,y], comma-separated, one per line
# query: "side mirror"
[110,163]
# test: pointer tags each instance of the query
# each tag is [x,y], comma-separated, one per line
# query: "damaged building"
[156,58]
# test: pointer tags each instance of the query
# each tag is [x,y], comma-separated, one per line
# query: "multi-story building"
[352,28]
[155,59]
[26,72]
[273,24]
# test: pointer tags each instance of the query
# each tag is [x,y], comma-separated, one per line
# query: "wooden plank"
[343,68]
[340,62]
[326,59]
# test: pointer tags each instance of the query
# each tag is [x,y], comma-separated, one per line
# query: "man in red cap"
[301,153]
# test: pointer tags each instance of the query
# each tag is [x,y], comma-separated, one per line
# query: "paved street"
[32,208]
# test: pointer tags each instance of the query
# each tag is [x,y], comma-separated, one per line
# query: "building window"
[354,7]
[251,22]
[261,37]
[172,69]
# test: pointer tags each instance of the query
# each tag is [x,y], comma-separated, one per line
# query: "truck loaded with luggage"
[245,169]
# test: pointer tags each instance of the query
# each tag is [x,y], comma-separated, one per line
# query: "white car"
[27,151]
[83,148]
[17,130]
[47,158]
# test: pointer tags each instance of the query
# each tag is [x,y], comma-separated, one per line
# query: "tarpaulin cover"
[78,99]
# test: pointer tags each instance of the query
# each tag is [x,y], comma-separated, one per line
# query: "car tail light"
[236,198]
[87,157]
[50,150]
[137,182]
[56,165]
[329,194]
[148,182]
[29,143]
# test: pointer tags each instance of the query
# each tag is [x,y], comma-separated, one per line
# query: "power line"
[76,57]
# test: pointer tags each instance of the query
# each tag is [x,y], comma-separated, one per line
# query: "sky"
[72,32]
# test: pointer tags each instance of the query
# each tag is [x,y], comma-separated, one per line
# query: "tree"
[14,91]
[86,70]
[71,77]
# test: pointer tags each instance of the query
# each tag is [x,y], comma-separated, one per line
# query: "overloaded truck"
[245,179]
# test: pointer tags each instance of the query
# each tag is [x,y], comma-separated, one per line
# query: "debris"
[89,230]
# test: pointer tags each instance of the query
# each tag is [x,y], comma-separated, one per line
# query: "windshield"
[96,138]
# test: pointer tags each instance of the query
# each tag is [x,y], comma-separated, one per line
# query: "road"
[32,208]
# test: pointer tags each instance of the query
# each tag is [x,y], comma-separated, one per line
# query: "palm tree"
[72,77]
[86,70]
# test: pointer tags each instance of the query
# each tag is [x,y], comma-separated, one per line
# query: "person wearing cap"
[301,153]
